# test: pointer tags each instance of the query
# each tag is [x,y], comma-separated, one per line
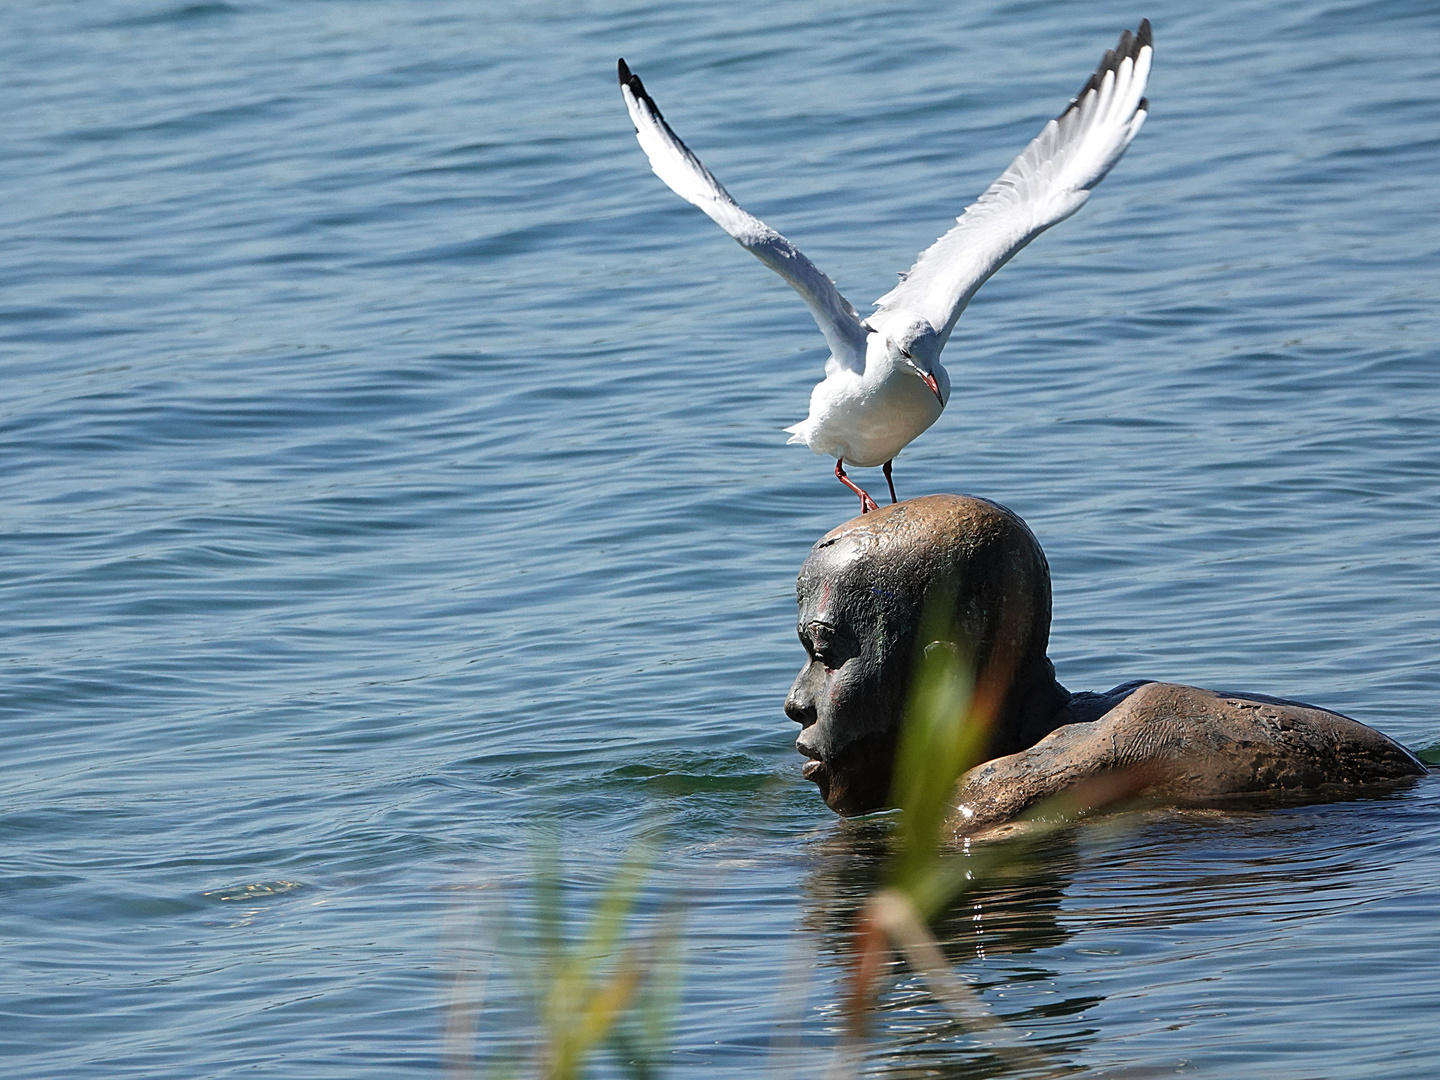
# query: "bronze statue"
[969,572]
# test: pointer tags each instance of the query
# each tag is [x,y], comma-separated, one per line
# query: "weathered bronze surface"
[876,591]
[1183,746]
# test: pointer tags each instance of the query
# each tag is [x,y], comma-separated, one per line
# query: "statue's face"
[862,591]
[850,694]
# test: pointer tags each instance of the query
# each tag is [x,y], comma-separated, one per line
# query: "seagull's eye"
[906,354]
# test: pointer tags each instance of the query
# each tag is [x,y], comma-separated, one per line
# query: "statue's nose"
[798,706]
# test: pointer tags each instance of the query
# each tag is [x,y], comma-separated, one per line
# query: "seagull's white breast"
[866,419]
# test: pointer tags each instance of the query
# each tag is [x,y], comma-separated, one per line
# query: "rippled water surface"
[390,463]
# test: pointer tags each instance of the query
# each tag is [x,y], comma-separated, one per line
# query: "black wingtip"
[1128,48]
[630,79]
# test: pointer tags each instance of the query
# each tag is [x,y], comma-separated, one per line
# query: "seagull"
[884,383]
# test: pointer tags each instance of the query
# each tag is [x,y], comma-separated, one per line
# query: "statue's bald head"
[969,572]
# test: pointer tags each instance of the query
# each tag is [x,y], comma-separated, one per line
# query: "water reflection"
[1183,911]
[991,936]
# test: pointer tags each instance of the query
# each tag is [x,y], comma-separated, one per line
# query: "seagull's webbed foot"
[866,502]
[889,480]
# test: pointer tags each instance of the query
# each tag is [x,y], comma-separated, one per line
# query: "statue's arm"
[1182,746]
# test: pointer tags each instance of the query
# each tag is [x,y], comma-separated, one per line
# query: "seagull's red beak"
[933,385]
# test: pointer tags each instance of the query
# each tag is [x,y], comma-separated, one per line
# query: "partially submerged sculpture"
[875,592]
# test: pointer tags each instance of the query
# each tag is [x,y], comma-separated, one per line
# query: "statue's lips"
[812,767]
[819,774]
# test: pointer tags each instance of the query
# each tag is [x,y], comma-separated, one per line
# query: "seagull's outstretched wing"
[1047,183]
[687,177]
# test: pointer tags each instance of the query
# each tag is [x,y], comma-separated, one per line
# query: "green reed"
[606,982]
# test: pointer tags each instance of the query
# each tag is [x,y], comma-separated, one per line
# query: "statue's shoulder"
[1227,741]
[1179,745]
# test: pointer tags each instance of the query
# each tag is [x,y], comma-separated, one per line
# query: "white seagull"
[884,383]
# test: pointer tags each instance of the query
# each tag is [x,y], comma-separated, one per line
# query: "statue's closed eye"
[830,645]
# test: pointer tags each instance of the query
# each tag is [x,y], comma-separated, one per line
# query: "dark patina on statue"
[870,591]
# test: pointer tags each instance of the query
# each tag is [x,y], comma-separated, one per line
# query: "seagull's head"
[914,346]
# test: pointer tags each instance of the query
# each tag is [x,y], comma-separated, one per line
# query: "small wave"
[253,891]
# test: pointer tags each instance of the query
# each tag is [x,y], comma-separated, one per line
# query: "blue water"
[391,466]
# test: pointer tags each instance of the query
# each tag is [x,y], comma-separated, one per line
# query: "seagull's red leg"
[866,503]
[891,482]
